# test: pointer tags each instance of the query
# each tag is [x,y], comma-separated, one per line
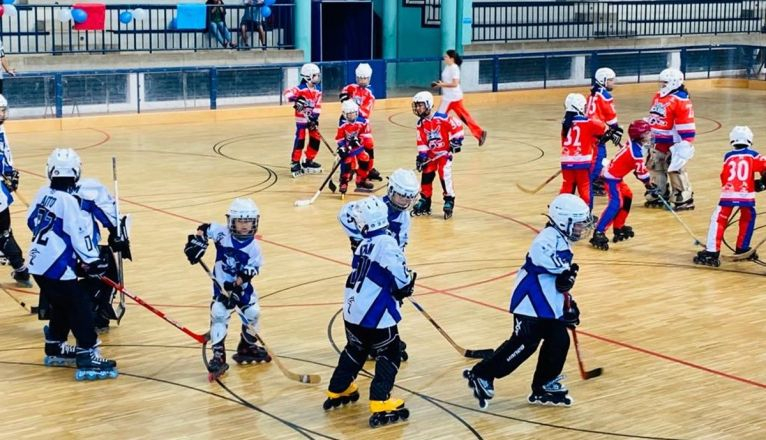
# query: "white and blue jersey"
[534,293]
[6,168]
[96,200]
[379,268]
[398,223]
[61,233]
[231,257]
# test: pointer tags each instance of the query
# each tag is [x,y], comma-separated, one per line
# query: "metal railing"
[37,29]
[539,20]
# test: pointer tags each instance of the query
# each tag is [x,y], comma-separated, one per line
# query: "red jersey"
[436,133]
[629,158]
[359,129]
[672,120]
[312,95]
[362,96]
[601,106]
[578,143]
[738,177]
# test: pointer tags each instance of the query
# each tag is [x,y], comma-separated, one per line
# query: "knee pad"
[680,155]
[314,143]
[428,178]
[251,315]
[370,152]
[219,322]
[626,203]
[682,189]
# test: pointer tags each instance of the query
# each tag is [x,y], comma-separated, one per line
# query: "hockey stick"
[330,184]
[21,198]
[307,202]
[475,354]
[536,190]
[120,311]
[584,374]
[302,378]
[197,337]
[744,255]
[31,309]
[697,242]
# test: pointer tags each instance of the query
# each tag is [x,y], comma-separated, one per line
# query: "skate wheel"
[327,405]
[354,397]
[384,420]
[717,263]
[374,421]
[404,414]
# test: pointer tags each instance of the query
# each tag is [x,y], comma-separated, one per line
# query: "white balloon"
[140,14]
[10,10]
[64,15]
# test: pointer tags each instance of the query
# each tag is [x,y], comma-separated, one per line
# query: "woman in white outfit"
[452,95]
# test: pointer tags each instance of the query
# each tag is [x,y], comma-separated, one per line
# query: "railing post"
[213,88]
[495,72]
[58,92]
[683,61]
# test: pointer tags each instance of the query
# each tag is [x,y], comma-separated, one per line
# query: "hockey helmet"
[575,102]
[403,189]
[3,109]
[244,210]
[310,73]
[350,110]
[671,79]
[570,215]
[741,135]
[370,215]
[638,129]
[424,100]
[603,75]
[63,162]
[363,74]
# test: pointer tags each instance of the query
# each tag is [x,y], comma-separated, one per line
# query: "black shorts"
[251,25]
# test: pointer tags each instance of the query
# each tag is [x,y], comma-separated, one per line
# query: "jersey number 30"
[739,170]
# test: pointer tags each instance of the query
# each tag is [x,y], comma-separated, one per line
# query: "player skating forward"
[539,311]
[307,102]
[237,260]
[361,93]
[353,138]
[738,188]
[379,280]
[438,138]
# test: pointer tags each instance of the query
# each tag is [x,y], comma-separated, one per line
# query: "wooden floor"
[683,347]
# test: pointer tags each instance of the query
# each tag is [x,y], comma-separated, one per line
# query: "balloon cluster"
[80,16]
[266,8]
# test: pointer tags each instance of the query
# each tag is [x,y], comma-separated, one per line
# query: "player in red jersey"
[601,106]
[307,102]
[439,137]
[353,138]
[738,188]
[361,93]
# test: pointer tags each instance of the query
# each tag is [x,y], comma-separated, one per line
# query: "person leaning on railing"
[252,20]
[6,67]
[216,18]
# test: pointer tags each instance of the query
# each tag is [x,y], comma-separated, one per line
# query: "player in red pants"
[361,93]
[353,139]
[738,188]
[307,102]
[439,137]
[629,158]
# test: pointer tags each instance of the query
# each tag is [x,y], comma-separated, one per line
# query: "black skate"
[752,257]
[374,175]
[247,354]
[422,207]
[483,138]
[552,393]
[385,411]
[623,233]
[335,400]
[654,204]
[217,366]
[707,258]
[91,366]
[483,389]
[600,241]
[311,167]
[295,169]
[449,206]
[684,206]
[21,276]
[364,186]
[58,353]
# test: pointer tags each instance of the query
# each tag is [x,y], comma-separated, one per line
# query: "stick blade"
[484,353]
[592,373]
[303,202]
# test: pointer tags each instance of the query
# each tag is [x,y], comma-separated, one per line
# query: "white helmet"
[403,189]
[672,79]
[348,107]
[570,215]
[603,75]
[3,107]
[370,214]
[243,209]
[422,97]
[363,74]
[63,162]
[741,135]
[575,102]
[310,73]
[3,101]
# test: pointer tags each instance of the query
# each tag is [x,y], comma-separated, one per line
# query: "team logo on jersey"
[434,138]
[658,109]
[358,100]
[230,264]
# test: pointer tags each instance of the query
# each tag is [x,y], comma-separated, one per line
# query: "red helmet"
[638,128]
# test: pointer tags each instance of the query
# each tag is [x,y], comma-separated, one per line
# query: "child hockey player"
[353,138]
[62,244]
[402,192]
[738,188]
[539,312]
[439,137]
[379,280]
[629,158]
[601,106]
[237,260]
[361,93]
[307,102]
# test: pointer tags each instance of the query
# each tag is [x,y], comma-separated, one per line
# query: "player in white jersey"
[542,309]
[10,252]
[237,260]
[378,282]
[62,244]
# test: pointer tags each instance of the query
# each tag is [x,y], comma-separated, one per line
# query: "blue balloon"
[8,2]
[172,24]
[269,2]
[79,16]
[126,17]
[266,12]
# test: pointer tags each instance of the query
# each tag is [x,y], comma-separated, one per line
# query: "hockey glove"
[11,181]
[455,146]
[566,279]
[406,290]
[300,104]
[195,248]
[354,243]
[571,316]
[313,122]
[760,184]
[247,273]
[343,151]
[119,244]
[95,269]
[420,161]
[354,142]
[235,295]
[344,96]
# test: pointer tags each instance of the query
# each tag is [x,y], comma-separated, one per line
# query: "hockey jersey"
[232,256]
[629,158]
[312,95]
[61,233]
[578,143]
[436,133]
[359,129]
[6,168]
[601,106]
[379,267]
[398,223]
[738,177]
[534,292]
[362,96]
[95,199]
[672,119]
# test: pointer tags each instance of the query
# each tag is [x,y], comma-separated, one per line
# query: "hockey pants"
[300,137]
[720,219]
[617,210]
[443,166]
[576,180]
[69,309]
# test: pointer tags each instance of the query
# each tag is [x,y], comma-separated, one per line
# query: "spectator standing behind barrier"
[6,68]
[252,20]
[216,19]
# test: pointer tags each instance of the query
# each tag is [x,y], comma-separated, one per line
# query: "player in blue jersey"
[237,260]
[378,282]
[540,310]
[62,245]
